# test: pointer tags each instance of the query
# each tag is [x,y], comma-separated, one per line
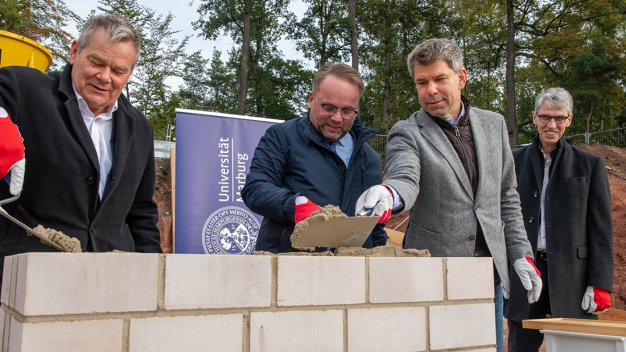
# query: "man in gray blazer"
[451,164]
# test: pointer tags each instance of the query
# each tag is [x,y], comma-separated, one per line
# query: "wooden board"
[394,238]
[613,314]
[597,327]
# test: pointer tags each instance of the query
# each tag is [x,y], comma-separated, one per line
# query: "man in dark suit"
[90,154]
[566,205]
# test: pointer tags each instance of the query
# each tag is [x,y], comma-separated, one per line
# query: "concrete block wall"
[150,302]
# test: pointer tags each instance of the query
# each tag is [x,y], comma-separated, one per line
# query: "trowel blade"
[337,232]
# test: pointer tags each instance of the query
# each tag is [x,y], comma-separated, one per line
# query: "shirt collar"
[84,108]
[454,122]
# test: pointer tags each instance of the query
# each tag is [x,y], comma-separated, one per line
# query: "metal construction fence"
[615,138]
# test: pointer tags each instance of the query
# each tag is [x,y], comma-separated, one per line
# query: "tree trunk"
[510,73]
[245,53]
[387,49]
[354,45]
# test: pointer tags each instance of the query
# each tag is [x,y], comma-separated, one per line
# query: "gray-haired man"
[90,153]
[450,163]
[566,204]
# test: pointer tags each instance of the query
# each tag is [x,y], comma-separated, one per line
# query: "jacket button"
[476,208]
[92,230]
[536,194]
[90,180]
[472,237]
[531,219]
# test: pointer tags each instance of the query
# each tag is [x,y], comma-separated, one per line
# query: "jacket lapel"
[482,151]
[535,160]
[76,119]
[433,133]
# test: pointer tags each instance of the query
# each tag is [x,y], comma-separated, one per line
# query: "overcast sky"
[185,12]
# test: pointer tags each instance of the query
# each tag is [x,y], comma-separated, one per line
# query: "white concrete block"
[484,350]
[304,281]
[296,331]
[76,336]
[217,281]
[470,278]
[405,279]
[464,325]
[387,329]
[64,283]
[187,333]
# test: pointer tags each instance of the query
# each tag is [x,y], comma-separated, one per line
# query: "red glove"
[596,300]
[11,152]
[304,208]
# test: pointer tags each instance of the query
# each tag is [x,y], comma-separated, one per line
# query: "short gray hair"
[555,98]
[117,28]
[434,50]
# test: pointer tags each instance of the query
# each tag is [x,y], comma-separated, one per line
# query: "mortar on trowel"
[52,238]
[330,227]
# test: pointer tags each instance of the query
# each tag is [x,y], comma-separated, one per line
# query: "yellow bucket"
[16,50]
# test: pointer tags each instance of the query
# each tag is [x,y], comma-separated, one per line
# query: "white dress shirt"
[100,128]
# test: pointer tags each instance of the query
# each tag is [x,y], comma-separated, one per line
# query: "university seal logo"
[232,230]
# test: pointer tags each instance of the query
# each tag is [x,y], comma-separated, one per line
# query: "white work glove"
[379,199]
[596,300]
[505,293]
[11,153]
[530,277]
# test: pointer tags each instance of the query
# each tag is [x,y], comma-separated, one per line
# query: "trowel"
[24,226]
[336,232]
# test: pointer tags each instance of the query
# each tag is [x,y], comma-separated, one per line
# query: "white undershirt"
[541,240]
[100,128]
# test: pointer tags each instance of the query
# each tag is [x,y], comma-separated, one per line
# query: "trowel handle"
[9,200]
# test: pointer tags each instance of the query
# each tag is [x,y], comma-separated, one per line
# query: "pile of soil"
[163,198]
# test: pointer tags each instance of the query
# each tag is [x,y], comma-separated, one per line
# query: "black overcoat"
[579,227]
[61,179]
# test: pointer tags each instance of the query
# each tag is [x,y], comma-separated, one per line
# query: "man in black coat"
[89,152]
[566,204]
[315,160]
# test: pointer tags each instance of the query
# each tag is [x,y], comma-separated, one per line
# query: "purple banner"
[213,155]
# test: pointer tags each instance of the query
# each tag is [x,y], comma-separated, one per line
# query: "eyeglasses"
[559,120]
[331,110]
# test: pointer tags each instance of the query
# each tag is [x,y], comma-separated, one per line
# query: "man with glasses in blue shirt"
[566,205]
[318,159]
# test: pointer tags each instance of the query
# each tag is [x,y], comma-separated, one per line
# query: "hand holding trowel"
[328,227]
[12,160]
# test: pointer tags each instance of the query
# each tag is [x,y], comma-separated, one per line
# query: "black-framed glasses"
[559,120]
[331,109]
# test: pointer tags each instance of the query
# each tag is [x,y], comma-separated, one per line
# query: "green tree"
[42,21]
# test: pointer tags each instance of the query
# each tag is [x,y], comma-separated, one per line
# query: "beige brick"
[296,331]
[470,278]
[304,281]
[187,333]
[387,329]
[76,336]
[406,280]
[217,281]
[465,325]
[64,283]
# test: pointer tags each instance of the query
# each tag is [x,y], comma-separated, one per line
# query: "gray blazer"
[425,170]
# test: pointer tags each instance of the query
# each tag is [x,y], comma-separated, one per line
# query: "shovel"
[25,227]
